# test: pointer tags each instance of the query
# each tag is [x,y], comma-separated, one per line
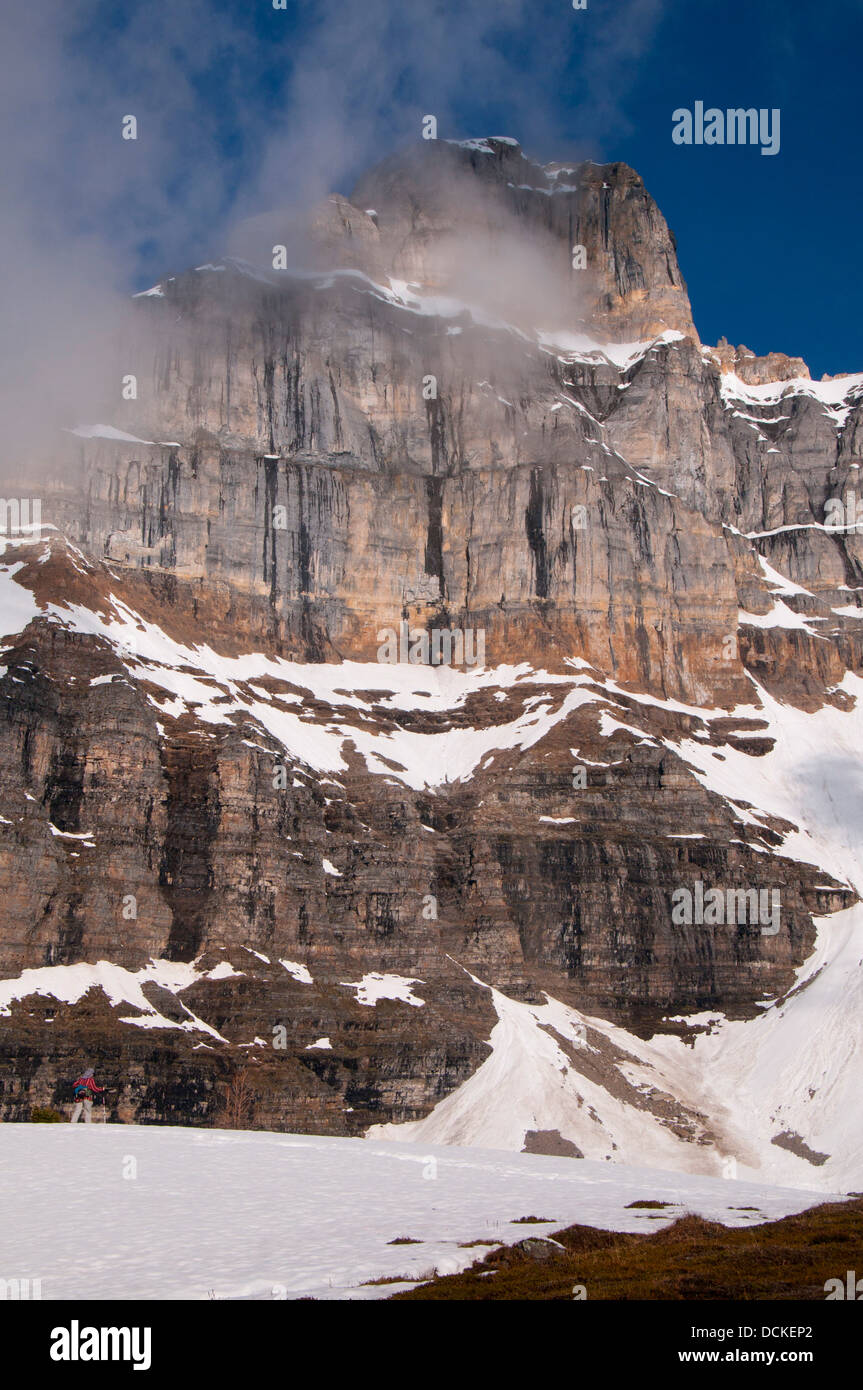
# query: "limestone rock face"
[445,209]
[754,370]
[437,425]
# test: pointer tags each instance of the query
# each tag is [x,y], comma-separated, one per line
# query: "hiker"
[82,1093]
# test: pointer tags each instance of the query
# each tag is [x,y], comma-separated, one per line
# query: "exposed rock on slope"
[330,858]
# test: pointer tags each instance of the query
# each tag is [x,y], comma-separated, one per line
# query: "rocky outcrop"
[754,370]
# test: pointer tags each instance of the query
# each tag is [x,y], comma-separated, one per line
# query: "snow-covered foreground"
[100,1212]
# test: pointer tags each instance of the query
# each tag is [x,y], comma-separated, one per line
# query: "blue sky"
[769,246]
[243,108]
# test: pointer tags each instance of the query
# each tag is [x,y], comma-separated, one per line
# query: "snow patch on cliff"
[838,397]
[375,986]
[578,347]
[18,607]
[107,432]
[226,690]
[300,972]
[69,983]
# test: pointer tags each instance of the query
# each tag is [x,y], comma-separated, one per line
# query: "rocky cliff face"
[304,863]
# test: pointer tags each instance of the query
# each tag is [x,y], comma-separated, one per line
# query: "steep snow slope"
[778,1094]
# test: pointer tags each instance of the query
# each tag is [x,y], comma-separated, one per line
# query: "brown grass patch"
[690,1259]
